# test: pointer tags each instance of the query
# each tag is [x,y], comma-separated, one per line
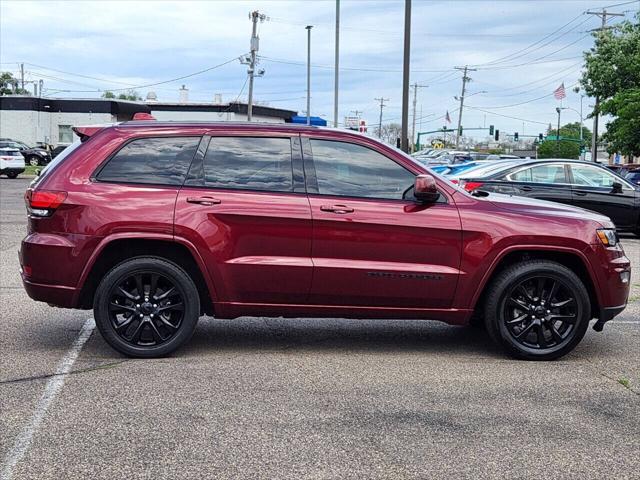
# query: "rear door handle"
[336,209]
[580,194]
[208,201]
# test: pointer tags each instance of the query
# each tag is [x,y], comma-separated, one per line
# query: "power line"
[507,116]
[359,69]
[498,60]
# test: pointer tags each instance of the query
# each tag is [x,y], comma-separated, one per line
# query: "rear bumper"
[11,170]
[57,295]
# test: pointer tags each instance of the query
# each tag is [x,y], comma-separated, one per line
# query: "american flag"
[447,117]
[559,92]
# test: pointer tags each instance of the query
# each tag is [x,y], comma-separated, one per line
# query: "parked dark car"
[33,156]
[634,176]
[58,150]
[583,184]
[623,168]
[154,224]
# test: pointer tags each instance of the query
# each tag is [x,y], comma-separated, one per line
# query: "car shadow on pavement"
[337,335]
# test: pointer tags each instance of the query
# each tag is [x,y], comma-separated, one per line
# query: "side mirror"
[616,187]
[425,189]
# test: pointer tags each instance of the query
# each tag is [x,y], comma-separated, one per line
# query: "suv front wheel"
[537,310]
[146,307]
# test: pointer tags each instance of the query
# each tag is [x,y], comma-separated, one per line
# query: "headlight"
[608,237]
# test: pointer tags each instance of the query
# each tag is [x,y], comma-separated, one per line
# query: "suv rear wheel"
[537,310]
[146,307]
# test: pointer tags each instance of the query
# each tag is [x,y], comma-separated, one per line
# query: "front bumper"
[606,314]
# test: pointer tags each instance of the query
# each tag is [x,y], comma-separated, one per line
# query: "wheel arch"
[572,259]
[113,251]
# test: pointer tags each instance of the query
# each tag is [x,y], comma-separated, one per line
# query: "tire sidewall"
[146,264]
[505,284]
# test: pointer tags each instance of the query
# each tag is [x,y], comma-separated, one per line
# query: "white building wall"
[167,116]
[33,127]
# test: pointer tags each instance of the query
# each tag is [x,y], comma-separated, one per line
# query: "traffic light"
[460,130]
[497,135]
[491,129]
[540,137]
[515,137]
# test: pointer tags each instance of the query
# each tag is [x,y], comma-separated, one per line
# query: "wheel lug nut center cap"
[147,308]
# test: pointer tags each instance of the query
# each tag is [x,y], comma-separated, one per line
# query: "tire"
[33,160]
[537,310]
[12,176]
[152,321]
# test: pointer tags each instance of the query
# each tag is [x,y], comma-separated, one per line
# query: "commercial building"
[35,120]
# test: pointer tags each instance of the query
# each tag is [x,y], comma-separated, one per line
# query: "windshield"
[484,170]
[55,162]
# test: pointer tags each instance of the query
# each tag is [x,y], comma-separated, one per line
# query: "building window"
[65,134]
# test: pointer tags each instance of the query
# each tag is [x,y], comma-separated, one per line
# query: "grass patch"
[31,170]
[624,382]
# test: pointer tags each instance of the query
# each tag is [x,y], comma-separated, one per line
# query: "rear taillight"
[454,181]
[471,186]
[42,203]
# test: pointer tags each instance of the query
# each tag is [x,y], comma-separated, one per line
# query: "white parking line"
[52,388]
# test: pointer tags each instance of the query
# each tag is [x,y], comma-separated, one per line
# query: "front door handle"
[526,188]
[336,209]
[208,201]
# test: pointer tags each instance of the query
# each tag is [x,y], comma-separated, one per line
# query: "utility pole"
[415,101]
[594,139]
[336,67]
[22,75]
[465,79]
[381,100]
[309,27]
[254,16]
[404,136]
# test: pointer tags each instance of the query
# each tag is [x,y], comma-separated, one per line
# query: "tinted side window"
[158,161]
[540,174]
[351,170]
[592,176]
[249,163]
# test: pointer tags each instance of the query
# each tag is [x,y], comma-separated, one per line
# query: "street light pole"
[337,67]
[558,109]
[309,27]
[404,136]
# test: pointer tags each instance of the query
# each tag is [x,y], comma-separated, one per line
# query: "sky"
[521,50]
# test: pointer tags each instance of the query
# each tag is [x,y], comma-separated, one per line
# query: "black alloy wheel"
[540,312]
[146,307]
[537,310]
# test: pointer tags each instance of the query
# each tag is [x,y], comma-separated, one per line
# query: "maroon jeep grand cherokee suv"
[154,224]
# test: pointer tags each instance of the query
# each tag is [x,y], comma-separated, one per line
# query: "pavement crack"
[42,377]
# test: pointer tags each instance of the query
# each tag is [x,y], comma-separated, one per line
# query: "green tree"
[9,85]
[612,73]
[561,149]
[572,130]
[131,95]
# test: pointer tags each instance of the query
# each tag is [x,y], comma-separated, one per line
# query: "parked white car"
[11,162]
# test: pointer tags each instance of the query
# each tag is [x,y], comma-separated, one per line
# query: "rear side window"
[157,161]
[540,174]
[249,163]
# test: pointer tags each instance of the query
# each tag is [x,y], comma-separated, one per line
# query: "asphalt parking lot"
[274,398]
